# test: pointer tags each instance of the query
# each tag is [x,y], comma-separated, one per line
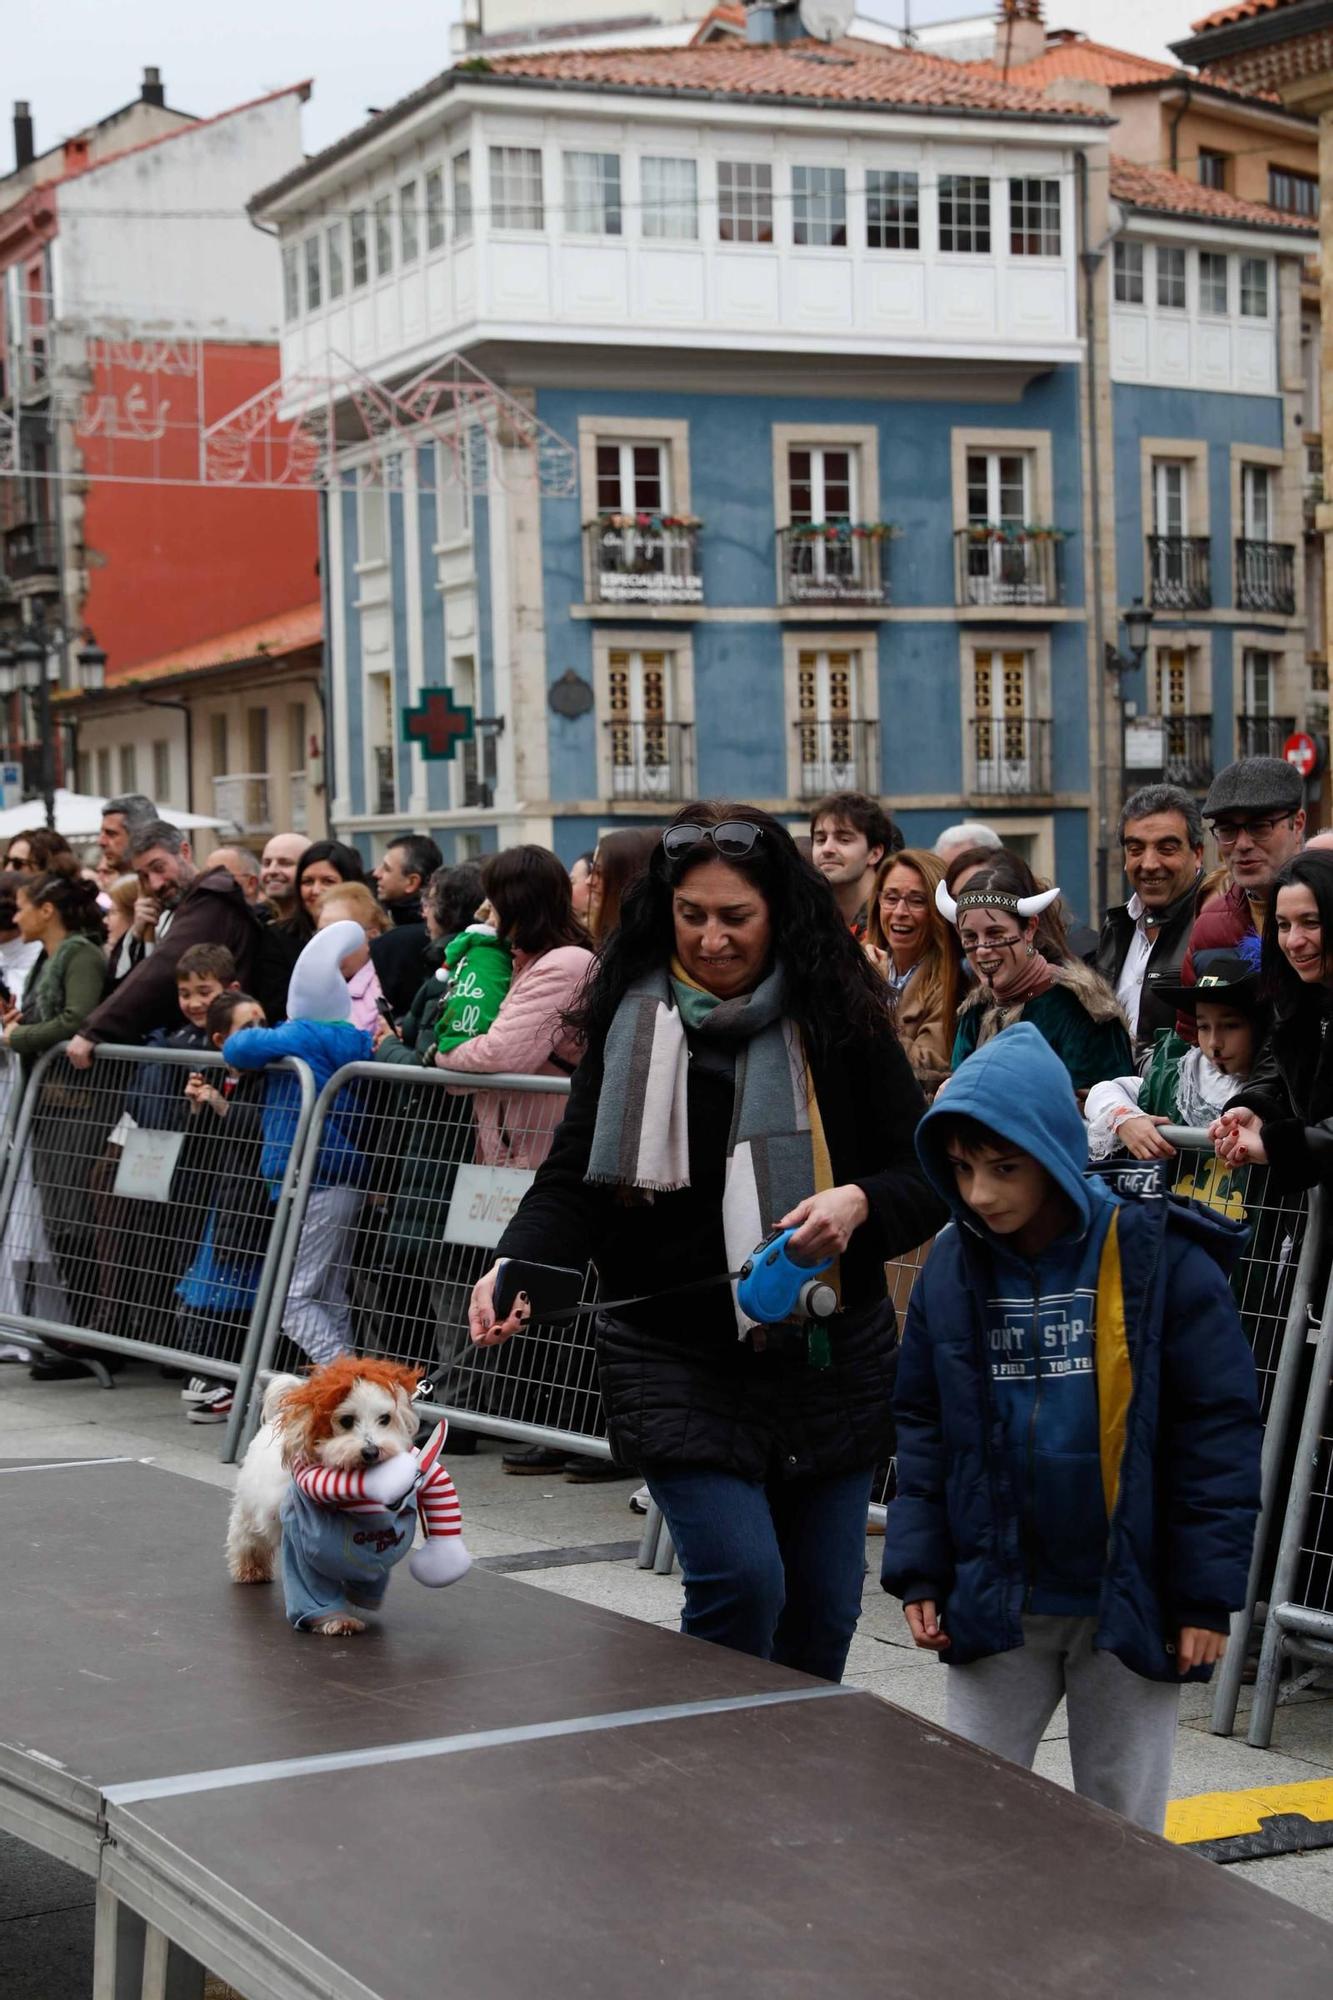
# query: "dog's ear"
[293,1420]
[405,1409]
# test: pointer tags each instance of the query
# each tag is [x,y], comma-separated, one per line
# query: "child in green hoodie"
[479,965]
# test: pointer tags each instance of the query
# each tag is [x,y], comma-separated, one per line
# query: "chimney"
[1020,34]
[772,21]
[153,90]
[25,149]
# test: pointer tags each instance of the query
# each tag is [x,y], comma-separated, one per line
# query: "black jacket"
[399,956]
[213,910]
[1291,1088]
[678,1386]
[1164,960]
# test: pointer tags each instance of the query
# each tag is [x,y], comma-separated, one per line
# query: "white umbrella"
[79,817]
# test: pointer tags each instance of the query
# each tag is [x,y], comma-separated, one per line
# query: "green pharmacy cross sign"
[437,725]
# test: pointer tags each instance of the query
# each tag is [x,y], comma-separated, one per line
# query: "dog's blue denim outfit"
[335,1563]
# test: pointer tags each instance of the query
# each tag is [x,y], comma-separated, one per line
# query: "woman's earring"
[1032,951]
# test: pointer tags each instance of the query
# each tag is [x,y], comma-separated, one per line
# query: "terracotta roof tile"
[1087,62]
[268,638]
[1242,10]
[1166,193]
[905,78]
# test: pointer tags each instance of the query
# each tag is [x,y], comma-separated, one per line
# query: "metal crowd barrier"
[1299,1625]
[132,1225]
[408,1179]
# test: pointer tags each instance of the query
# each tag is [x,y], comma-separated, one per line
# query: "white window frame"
[864,703]
[1173,258]
[312,271]
[1033,202]
[409,221]
[669,217]
[432,196]
[291,282]
[1213,258]
[335,257]
[1258,502]
[970,206]
[893,208]
[990,760]
[1259,684]
[460,195]
[382,232]
[594,203]
[677,647]
[745,203]
[819,207]
[517,190]
[358,233]
[1256,284]
[1130,286]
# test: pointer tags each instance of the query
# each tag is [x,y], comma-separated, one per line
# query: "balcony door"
[828,723]
[641,718]
[1256,498]
[1002,698]
[821,489]
[632,479]
[1170,526]
[999,509]
[1258,685]
[1183,713]
[633,493]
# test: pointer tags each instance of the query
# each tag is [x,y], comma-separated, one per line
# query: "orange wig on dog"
[306,1413]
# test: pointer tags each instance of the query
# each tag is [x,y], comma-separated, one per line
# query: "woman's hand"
[1139,1135]
[1238,1139]
[485,1329]
[824,1223]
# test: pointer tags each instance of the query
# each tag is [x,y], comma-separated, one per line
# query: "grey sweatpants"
[1122,1728]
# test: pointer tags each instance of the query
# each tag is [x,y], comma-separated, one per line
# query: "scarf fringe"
[639,1187]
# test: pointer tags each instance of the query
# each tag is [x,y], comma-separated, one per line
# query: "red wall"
[169,564]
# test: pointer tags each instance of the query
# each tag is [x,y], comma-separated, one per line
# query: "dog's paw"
[442,1559]
[387,1482]
[253,1567]
[337,1628]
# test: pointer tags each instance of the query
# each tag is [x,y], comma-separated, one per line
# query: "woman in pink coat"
[528,889]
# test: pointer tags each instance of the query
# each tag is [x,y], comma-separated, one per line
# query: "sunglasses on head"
[732,838]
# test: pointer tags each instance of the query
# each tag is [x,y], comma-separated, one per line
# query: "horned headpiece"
[1021,907]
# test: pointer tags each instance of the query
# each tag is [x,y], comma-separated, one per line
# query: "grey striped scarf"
[641,1138]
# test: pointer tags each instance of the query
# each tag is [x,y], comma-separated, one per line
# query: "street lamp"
[1137,622]
[37,658]
[91,660]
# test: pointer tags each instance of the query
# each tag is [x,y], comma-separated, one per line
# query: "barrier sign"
[147,1163]
[484,1203]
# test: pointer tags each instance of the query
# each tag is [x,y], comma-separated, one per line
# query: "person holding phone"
[741,1072]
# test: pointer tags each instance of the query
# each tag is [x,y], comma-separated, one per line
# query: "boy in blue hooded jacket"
[1078,1436]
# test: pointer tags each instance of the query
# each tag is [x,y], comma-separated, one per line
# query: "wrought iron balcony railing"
[836,757]
[32,549]
[629,563]
[651,760]
[1263,735]
[1011,755]
[1266,577]
[841,562]
[1178,749]
[998,565]
[1180,572]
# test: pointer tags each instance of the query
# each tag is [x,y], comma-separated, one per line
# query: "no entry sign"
[1301,750]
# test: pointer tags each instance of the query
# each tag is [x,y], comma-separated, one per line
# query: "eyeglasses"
[892,899]
[1228,832]
[732,838]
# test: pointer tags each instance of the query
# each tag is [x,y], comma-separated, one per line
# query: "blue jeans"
[775,1570]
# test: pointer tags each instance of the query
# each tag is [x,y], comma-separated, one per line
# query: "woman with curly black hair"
[741,1072]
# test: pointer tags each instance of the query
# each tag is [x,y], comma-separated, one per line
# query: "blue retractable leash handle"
[773,1287]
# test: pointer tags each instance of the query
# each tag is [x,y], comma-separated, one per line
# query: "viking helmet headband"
[1021,907]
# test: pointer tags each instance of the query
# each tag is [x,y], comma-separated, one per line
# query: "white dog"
[344,1437]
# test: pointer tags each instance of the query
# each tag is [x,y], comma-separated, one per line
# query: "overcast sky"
[76,59]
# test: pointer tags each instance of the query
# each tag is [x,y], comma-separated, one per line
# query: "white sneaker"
[640,1501]
[198,1389]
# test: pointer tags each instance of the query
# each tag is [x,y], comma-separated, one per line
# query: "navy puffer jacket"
[1179,1413]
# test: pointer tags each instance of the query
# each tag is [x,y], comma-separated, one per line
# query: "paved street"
[574,1540]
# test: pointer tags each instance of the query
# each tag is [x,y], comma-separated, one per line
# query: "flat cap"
[1256,784]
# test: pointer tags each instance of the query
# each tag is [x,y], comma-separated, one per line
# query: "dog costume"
[339,1544]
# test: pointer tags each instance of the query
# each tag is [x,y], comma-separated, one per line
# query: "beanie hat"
[318,991]
[1256,784]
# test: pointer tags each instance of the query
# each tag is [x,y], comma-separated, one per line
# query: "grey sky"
[76,59]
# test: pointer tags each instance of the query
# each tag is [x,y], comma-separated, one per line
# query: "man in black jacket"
[408,864]
[1144,940]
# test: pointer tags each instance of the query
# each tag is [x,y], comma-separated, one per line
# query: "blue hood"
[1018,1086]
